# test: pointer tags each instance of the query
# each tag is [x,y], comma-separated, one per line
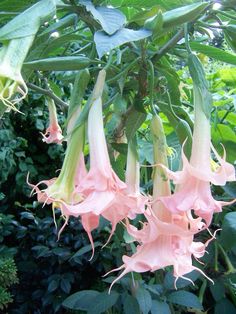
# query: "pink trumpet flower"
[193,190]
[66,187]
[105,194]
[53,133]
[166,239]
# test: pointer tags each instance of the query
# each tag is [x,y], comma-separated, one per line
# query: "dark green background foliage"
[150,72]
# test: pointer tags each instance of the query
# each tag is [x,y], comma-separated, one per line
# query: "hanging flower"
[53,133]
[166,239]
[193,182]
[16,38]
[105,193]
[66,188]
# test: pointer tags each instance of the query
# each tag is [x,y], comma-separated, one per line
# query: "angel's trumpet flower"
[193,182]
[17,37]
[166,239]
[53,133]
[132,179]
[105,193]
[66,188]
[12,56]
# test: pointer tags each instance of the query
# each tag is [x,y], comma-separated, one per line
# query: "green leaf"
[59,64]
[102,302]
[144,300]
[224,307]
[61,24]
[130,305]
[110,19]
[120,147]
[169,281]
[160,307]
[155,23]
[65,285]
[214,53]
[223,133]
[134,121]
[15,5]
[85,249]
[80,300]
[228,233]
[230,189]
[53,285]
[28,22]
[228,76]
[105,43]
[218,290]
[185,298]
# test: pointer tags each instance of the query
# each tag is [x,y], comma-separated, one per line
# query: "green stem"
[115,78]
[230,266]
[48,93]
[202,290]
[211,26]
[216,258]
[188,48]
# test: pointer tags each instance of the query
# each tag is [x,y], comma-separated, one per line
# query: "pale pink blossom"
[193,182]
[105,194]
[166,238]
[66,187]
[53,133]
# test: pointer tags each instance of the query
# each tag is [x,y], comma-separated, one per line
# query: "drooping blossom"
[166,239]
[105,194]
[193,182]
[14,48]
[12,85]
[53,133]
[65,188]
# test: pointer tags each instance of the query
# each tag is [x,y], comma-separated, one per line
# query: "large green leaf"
[15,5]
[28,22]
[214,53]
[224,306]
[105,43]
[170,4]
[80,300]
[102,302]
[160,307]
[130,305]
[228,234]
[144,300]
[134,121]
[185,298]
[110,19]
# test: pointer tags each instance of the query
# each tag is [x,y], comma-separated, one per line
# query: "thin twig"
[170,44]
[48,93]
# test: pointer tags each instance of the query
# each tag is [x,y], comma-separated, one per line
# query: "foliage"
[142,46]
